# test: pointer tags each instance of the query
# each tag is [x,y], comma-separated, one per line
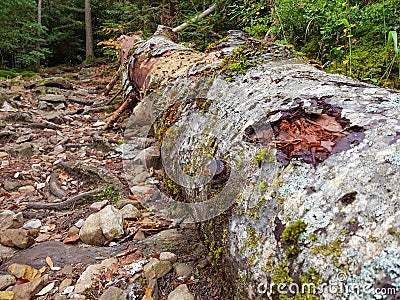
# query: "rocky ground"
[72,224]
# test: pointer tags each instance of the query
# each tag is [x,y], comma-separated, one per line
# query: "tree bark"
[39,21]
[88,30]
[292,172]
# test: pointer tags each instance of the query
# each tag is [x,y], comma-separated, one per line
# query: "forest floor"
[51,136]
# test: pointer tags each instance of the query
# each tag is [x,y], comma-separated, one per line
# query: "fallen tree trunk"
[292,173]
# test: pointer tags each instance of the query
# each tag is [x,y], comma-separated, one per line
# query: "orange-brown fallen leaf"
[131,258]
[49,262]
[310,138]
[72,238]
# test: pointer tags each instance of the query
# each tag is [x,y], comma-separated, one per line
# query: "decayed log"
[292,172]
[129,42]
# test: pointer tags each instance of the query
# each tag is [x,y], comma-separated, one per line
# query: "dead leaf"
[131,258]
[6,295]
[46,289]
[24,272]
[72,238]
[309,138]
[56,236]
[126,252]
[49,262]
[21,281]
[63,176]
[147,293]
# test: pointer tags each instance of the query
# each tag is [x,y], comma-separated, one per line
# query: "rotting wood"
[124,55]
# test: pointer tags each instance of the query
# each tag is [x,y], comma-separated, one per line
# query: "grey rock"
[58,82]
[52,98]
[183,269]
[6,253]
[114,293]
[180,242]
[111,222]
[102,227]
[10,185]
[27,291]
[123,202]
[85,280]
[171,257]
[91,232]
[181,292]
[150,157]
[24,150]
[97,206]
[130,212]
[139,236]
[3,98]
[19,238]
[27,189]
[141,177]
[155,268]
[9,219]
[6,281]
[64,284]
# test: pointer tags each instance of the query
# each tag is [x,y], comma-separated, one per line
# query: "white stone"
[33,224]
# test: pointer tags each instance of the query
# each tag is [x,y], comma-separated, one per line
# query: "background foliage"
[357,38]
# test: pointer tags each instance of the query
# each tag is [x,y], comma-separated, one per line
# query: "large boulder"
[292,172]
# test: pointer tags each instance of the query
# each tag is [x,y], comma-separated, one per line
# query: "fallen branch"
[114,80]
[114,97]
[73,201]
[116,115]
[196,18]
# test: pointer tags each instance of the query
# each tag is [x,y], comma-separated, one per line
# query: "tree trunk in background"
[39,21]
[292,172]
[88,29]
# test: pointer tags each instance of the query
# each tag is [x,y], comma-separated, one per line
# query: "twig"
[114,80]
[116,115]
[114,97]
[76,200]
[200,16]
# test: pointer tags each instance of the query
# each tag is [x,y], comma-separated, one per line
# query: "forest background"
[354,38]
